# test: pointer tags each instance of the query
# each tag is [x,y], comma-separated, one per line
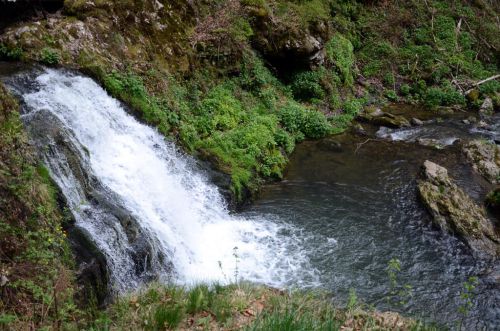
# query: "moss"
[340,53]
[36,259]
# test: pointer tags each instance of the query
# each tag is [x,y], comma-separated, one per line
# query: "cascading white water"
[174,204]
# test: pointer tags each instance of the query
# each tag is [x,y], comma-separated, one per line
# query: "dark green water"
[358,207]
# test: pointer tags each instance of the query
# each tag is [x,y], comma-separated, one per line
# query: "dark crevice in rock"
[20,10]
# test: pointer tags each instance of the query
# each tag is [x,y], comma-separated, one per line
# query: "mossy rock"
[453,211]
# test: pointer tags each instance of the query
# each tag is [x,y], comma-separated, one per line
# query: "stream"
[346,207]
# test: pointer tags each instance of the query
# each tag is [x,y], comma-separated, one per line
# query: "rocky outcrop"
[485,159]
[453,211]
[287,44]
[379,117]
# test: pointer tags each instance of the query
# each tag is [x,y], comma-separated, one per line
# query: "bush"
[352,107]
[10,53]
[315,125]
[404,89]
[436,96]
[49,56]
[306,86]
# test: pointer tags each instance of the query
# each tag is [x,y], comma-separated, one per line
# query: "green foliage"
[303,122]
[340,53]
[167,316]
[405,89]
[398,293]
[391,95]
[49,56]
[130,88]
[447,96]
[467,296]
[352,107]
[10,53]
[306,86]
[35,253]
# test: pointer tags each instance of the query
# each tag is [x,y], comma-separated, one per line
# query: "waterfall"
[146,206]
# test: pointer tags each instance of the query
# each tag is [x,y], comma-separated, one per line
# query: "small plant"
[10,53]
[168,316]
[49,56]
[398,293]
[467,296]
[405,89]
[307,86]
[352,302]
[391,95]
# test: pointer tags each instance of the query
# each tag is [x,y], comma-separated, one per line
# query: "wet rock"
[473,95]
[330,145]
[416,121]
[391,121]
[485,158]
[430,143]
[445,111]
[378,117]
[482,125]
[487,107]
[359,129]
[454,211]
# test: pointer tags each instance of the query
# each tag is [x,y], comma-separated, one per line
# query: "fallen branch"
[481,82]
[359,145]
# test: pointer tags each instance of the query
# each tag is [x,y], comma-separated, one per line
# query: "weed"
[49,56]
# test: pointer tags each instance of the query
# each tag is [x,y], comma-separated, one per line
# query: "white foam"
[177,205]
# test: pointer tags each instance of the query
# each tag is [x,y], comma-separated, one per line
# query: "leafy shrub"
[306,86]
[405,89]
[436,96]
[49,56]
[352,107]
[391,95]
[297,119]
[315,125]
[10,53]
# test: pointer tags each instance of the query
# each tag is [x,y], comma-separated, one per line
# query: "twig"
[482,82]
[359,145]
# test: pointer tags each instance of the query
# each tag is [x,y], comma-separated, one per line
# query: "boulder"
[453,211]
[485,159]
[487,107]
[378,117]
[417,122]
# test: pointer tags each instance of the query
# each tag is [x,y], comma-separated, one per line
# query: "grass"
[36,262]
[242,306]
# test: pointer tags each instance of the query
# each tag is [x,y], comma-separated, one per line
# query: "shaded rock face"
[493,201]
[453,211]
[287,48]
[12,11]
[485,159]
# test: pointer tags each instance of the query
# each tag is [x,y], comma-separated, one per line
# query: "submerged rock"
[485,158]
[454,211]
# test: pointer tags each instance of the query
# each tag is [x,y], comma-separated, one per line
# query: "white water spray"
[157,185]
